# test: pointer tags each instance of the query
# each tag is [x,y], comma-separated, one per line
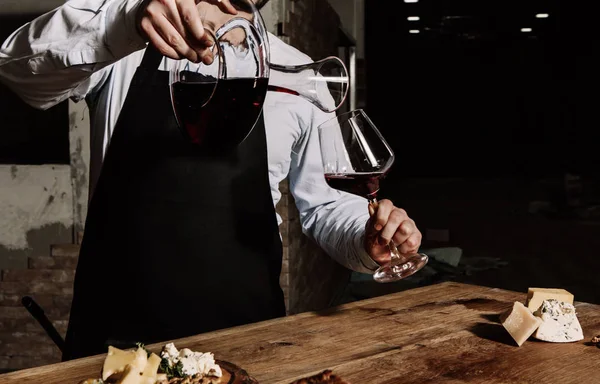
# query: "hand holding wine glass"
[390,223]
[355,158]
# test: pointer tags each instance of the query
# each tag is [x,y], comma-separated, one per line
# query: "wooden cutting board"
[232,374]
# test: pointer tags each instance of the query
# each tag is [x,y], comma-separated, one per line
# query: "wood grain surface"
[445,333]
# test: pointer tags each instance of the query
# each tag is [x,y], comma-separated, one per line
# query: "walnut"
[325,377]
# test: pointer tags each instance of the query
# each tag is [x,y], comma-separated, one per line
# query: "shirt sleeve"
[336,220]
[67,52]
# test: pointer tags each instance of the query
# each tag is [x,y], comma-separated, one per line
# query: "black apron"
[177,241]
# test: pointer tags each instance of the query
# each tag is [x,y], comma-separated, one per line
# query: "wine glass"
[355,159]
[216,106]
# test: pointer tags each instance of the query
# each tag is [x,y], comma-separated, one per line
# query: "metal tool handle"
[38,313]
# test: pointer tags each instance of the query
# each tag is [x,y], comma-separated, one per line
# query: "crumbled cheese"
[192,363]
[169,352]
[559,322]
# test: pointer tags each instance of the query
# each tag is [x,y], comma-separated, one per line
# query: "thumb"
[370,230]
[371,210]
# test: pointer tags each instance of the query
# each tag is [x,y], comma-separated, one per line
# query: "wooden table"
[446,333]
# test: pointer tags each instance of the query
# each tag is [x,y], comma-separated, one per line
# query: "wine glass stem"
[394,252]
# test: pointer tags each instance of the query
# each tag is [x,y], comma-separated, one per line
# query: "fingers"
[393,224]
[175,28]
[174,38]
[412,243]
[405,230]
[382,215]
[156,39]
[372,210]
[190,24]
[225,6]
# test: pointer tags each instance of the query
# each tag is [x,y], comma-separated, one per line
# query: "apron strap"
[152,58]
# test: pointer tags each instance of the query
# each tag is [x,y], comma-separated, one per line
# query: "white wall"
[79,136]
[32,197]
[352,13]
[271,14]
[50,200]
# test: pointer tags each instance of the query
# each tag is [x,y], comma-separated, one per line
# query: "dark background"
[471,95]
[496,136]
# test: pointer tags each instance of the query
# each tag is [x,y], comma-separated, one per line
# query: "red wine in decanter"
[227,118]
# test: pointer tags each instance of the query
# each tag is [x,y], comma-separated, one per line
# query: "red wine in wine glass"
[362,184]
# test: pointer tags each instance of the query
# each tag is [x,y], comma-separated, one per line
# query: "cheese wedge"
[117,359]
[149,375]
[559,322]
[535,296]
[131,375]
[520,322]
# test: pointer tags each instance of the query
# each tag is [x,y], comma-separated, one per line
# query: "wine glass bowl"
[351,146]
[355,158]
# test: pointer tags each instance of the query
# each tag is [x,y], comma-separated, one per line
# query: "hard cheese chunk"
[559,322]
[535,296]
[117,360]
[149,375]
[131,375]
[520,322]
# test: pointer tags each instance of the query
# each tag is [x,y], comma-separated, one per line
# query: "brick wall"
[312,26]
[48,280]
[310,278]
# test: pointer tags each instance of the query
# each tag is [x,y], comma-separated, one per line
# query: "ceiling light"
[413,18]
[526,29]
[542,15]
[414,31]
[411,1]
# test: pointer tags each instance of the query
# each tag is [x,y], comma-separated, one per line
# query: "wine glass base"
[400,269]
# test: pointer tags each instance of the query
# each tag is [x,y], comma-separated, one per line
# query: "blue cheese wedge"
[559,322]
[536,296]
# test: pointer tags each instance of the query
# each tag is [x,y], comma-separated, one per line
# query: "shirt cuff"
[123,37]
[363,256]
